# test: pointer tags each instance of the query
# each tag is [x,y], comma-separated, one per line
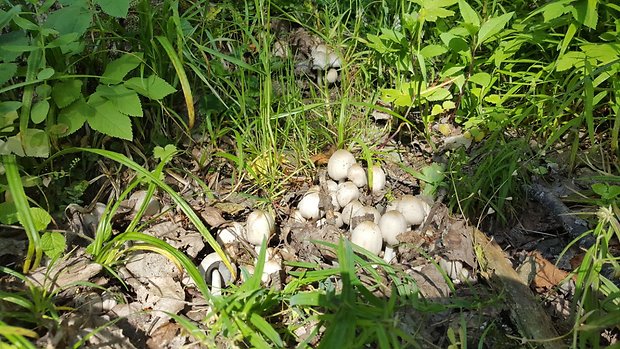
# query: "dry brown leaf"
[547,274]
[213,216]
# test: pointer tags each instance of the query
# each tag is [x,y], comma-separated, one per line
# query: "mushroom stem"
[216,283]
[389,254]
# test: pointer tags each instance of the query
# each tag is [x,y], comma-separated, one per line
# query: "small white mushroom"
[368,213]
[230,234]
[347,192]
[309,205]
[331,76]
[339,164]
[349,210]
[259,226]
[392,224]
[378,179]
[357,175]
[414,209]
[215,273]
[319,57]
[333,60]
[368,235]
[455,270]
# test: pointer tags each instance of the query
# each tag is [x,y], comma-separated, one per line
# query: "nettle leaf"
[116,70]
[39,110]
[108,119]
[492,27]
[66,92]
[469,14]
[125,100]
[74,117]
[152,87]
[114,8]
[53,244]
[70,19]
[7,71]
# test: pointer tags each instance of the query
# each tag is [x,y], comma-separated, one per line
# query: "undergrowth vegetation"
[495,93]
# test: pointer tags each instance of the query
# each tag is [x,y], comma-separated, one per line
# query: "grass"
[521,80]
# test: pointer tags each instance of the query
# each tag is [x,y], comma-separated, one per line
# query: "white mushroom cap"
[414,209]
[347,192]
[331,76]
[320,57]
[309,205]
[259,225]
[368,235]
[339,164]
[230,234]
[392,224]
[333,60]
[212,262]
[378,179]
[365,211]
[349,210]
[357,175]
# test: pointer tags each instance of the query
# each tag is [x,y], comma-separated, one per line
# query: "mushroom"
[455,270]
[259,226]
[230,234]
[309,205]
[273,265]
[357,175]
[215,273]
[367,235]
[346,193]
[320,57]
[349,210]
[339,164]
[392,224]
[331,76]
[365,213]
[378,179]
[413,208]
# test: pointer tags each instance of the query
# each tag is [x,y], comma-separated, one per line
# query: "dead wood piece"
[533,323]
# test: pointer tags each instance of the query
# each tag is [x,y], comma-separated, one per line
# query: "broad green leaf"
[74,116]
[431,51]
[43,91]
[436,94]
[7,71]
[469,15]
[45,73]
[66,92]
[586,12]
[116,70]
[604,53]
[40,217]
[70,19]
[164,153]
[554,10]
[35,143]
[53,244]
[125,100]
[8,213]
[108,120]
[152,87]
[114,8]
[39,110]
[63,40]
[433,13]
[13,44]
[6,16]
[482,79]
[24,23]
[13,145]
[492,27]
[569,60]
[437,109]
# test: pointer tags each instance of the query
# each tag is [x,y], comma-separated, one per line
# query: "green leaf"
[66,92]
[7,71]
[53,244]
[433,13]
[431,51]
[482,79]
[265,328]
[74,116]
[8,213]
[6,16]
[70,19]
[152,87]
[163,154]
[492,27]
[40,218]
[125,100]
[469,15]
[115,8]
[436,94]
[35,143]
[39,110]
[586,13]
[116,70]
[45,73]
[554,10]
[43,91]
[108,119]
[569,60]
[13,45]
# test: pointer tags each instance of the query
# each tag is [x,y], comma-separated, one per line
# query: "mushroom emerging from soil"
[378,179]
[357,175]
[413,208]
[349,210]
[215,273]
[346,193]
[368,235]
[259,226]
[392,224]
[309,205]
[339,164]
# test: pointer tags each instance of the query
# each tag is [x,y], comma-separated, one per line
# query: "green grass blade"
[21,203]
[178,66]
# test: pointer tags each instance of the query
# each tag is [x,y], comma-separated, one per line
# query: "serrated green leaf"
[39,110]
[116,70]
[7,71]
[74,116]
[108,120]
[114,8]
[469,15]
[152,87]
[569,60]
[40,218]
[67,92]
[125,100]
[492,27]
[431,51]
[53,244]
[437,109]
[554,10]
[70,19]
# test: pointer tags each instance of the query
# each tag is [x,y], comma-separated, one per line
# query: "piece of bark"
[529,316]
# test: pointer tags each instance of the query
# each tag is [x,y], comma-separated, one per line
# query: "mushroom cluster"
[325,62]
[353,190]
